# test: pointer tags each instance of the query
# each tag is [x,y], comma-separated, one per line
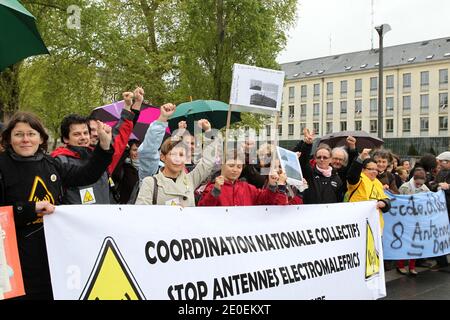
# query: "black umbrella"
[363,139]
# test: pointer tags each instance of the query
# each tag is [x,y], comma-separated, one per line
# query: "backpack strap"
[155,191]
[353,192]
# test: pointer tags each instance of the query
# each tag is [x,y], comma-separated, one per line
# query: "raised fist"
[351,142]
[139,94]
[220,180]
[104,135]
[167,111]
[204,124]
[128,98]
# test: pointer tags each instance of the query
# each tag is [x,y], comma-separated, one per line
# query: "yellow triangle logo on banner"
[111,278]
[39,192]
[87,197]
[372,257]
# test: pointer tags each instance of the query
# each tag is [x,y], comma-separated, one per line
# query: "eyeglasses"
[338,159]
[322,158]
[21,135]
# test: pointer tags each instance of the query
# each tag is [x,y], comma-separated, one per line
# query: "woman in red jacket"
[227,190]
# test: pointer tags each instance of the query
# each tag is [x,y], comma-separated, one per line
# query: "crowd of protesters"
[98,164]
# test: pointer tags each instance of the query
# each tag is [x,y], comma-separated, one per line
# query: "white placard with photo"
[257,90]
[289,163]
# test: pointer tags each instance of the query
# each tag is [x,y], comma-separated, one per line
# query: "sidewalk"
[427,285]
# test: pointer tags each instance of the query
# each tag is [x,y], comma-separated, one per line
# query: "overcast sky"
[348,22]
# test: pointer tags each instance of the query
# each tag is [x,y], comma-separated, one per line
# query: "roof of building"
[404,54]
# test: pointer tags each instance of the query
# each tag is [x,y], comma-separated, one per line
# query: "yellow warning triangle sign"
[87,197]
[111,278]
[372,257]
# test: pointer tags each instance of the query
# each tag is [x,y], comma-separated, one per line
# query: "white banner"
[162,252]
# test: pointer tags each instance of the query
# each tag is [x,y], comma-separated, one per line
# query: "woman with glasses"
[324,183]
[32,183]
[363,185]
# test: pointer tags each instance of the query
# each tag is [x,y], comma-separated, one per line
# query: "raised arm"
[354,172]
[148,150]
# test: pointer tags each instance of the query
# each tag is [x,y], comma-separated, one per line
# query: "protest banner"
[11,282]
[417,226]
[257,90]
[163,252]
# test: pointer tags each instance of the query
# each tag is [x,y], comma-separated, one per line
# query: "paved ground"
[427,285]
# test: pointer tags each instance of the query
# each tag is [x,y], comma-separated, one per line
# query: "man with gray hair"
[340,159]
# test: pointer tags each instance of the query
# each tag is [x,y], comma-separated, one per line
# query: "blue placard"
[417,226]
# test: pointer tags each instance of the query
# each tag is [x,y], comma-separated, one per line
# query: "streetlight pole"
[382,30]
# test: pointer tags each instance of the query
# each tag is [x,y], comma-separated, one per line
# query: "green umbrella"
[215,111]
[19,37]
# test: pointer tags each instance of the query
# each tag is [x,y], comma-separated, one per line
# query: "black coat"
[25,181]
[321,189]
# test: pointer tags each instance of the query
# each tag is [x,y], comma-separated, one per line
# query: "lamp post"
[382,30]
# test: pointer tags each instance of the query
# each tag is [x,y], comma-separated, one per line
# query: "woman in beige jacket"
[173,185]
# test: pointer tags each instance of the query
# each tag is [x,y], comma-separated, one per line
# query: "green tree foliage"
[173,49]
[215,34]
[48,90]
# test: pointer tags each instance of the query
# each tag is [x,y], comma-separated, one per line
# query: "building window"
[303,110]
[329,127]
[373,105]
[268,130]
[316,90]
[406,125]
[407,80]
[443,123]
[291,129]
[316,109]
[343,125]
[358,87]
[304,91]
[358,125]
[291,111]
[424,78]
[406,103]
[424,124]
[343,86]
[343,107]
[316,128]
[358,106]
[373,83]
[329,88]
[280,130]
[389,104]
[291,94]
[329,107]
[373,126]
[443,100]
[424,103]
[389,125]
[389,82]
[302,127]
[443,76]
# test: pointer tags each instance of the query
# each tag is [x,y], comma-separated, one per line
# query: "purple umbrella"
[110,114]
